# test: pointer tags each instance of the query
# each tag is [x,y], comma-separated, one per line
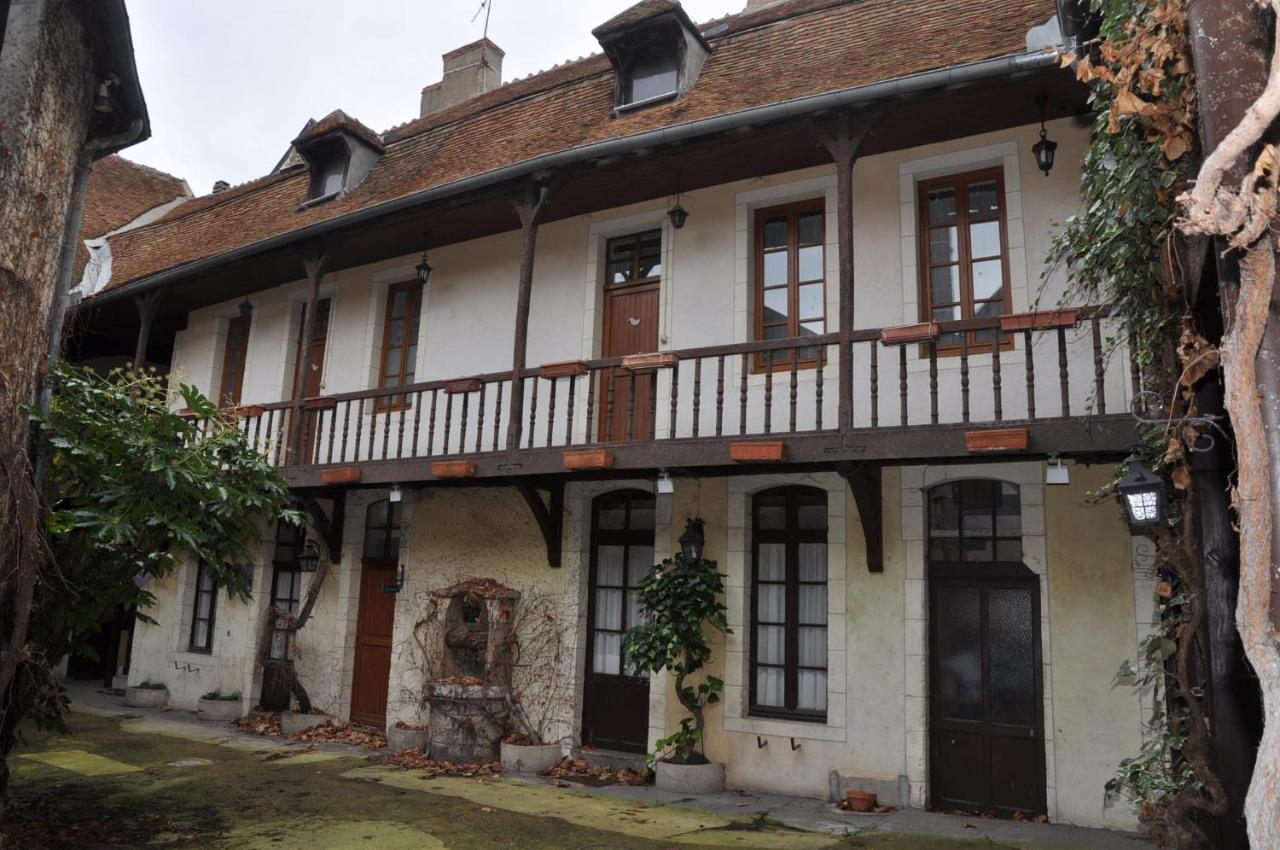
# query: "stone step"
[611,759]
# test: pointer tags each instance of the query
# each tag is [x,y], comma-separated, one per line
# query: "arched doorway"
[986,709]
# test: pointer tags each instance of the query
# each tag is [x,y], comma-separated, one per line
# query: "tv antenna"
[486,6]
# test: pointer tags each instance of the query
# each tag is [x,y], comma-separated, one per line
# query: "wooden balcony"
[1012,386]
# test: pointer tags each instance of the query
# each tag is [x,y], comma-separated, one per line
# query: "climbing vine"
[1123,249]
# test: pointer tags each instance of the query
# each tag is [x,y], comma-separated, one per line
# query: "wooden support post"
[529,208]
[147,304]
[865,484]
[549,515]
[314,267]
[843,143]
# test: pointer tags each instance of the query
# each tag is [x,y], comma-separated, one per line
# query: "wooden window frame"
[626,537]
[412,316]
[212,592]
[636,279]
[384,553]
[237,342]
[791,536]
[792,211]
[962,181]
[996,537]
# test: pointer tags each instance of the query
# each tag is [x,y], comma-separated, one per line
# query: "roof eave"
[862,95]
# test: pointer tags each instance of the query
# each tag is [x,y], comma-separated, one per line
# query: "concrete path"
[543,797]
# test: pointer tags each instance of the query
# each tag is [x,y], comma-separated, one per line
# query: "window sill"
[624,108]
[799,729]
[320,200]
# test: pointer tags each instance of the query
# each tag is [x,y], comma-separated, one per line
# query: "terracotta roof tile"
[794,49]
[119,191]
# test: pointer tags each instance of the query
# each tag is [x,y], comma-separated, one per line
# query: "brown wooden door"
[313,377]
[615,709]
[630,327]
[986,729]
[373,643]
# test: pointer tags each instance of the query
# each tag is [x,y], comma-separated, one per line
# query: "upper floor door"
[632,277]
[313,371]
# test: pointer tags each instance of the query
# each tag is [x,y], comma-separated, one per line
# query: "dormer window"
[652,75]
[339,152]
[656,51]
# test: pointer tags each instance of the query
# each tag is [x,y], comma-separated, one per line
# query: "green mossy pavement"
[120,783]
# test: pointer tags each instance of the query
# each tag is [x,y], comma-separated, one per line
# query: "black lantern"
[309,557]
[424,270]
[1143,494]
[691,542]
[1045,148]
[246,309]
[678,215]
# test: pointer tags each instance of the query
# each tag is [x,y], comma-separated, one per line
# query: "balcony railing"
[1036,367]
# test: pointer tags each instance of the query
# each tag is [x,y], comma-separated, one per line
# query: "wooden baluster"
[817,389]
[462,425]
[1031,374]
[768,396]
[720,396]
[497,415]
[568,416]
[933,383]
[346,427]
[448,421]
[591,406]
[480,419]
[1099,384]
[697,393]
[431,425]
[386,428]
[964,378]
[631,405]
[533,412]
[333,427]
[902,382]
[742,396]
[609,375]
[355,449]
[1135,371]
[417,423]
[653,404]
[795,364]
[257,432]
[675,398]
[1063,379]
[551,410]
[875,383]
[373,427]
[996,380]
[404,402]
[271,418]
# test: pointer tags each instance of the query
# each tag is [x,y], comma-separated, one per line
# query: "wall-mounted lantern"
[692,541]
[246,308]
[1143,494]
[424,267]
[1046,147]
[309,557]
[678,214]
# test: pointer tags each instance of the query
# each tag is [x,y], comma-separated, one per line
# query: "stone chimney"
[468,71]
[220,187]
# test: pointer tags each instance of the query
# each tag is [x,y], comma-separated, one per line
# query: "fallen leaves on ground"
[264,724]
[418,760]
[583,770]
[345,733]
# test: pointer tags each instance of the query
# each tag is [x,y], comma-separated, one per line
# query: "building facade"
[784,272]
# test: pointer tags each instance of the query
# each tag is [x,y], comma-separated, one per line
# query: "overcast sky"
[229,82]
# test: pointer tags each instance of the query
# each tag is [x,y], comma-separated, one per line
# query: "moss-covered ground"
[122,783]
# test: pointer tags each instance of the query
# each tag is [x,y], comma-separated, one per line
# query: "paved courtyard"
[131,778]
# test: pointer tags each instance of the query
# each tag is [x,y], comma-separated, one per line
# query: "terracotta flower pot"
[860,801]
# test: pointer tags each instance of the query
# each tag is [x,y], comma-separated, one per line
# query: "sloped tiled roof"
[339,120]
[119,191]
[793,49]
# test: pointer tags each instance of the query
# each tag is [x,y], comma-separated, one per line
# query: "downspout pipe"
[1004,66]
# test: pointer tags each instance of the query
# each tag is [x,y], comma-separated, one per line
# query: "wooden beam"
[328,525]
[530,209]
[549,515]
[148,304]
[313,264]
[865,483]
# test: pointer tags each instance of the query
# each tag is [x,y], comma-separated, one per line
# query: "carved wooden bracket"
[549,514]
[865,485]
[329,525]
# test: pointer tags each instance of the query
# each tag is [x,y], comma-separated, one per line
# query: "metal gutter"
[859,95]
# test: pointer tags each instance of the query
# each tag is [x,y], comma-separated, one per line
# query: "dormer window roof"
[339,152]
[655,49]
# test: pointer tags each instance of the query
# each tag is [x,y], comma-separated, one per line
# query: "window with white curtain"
[789,607]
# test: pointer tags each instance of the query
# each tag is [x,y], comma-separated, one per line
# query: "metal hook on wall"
[1146,409]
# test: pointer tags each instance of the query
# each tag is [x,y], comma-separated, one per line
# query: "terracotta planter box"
[453,469]
[589,459]
[342,475]
[146,697]
[320,403]
[563,369]
[534,758]
[690,778]
[293,722]
[901,334]
[463,385]
[656,360]
[248,411]
[219,710]
[757,451]
[1039,320]
[997,440]
[400,739]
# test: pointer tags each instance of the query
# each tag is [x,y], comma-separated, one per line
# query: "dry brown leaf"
[1181,478]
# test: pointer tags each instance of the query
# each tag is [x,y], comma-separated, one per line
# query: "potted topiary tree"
[679,599]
